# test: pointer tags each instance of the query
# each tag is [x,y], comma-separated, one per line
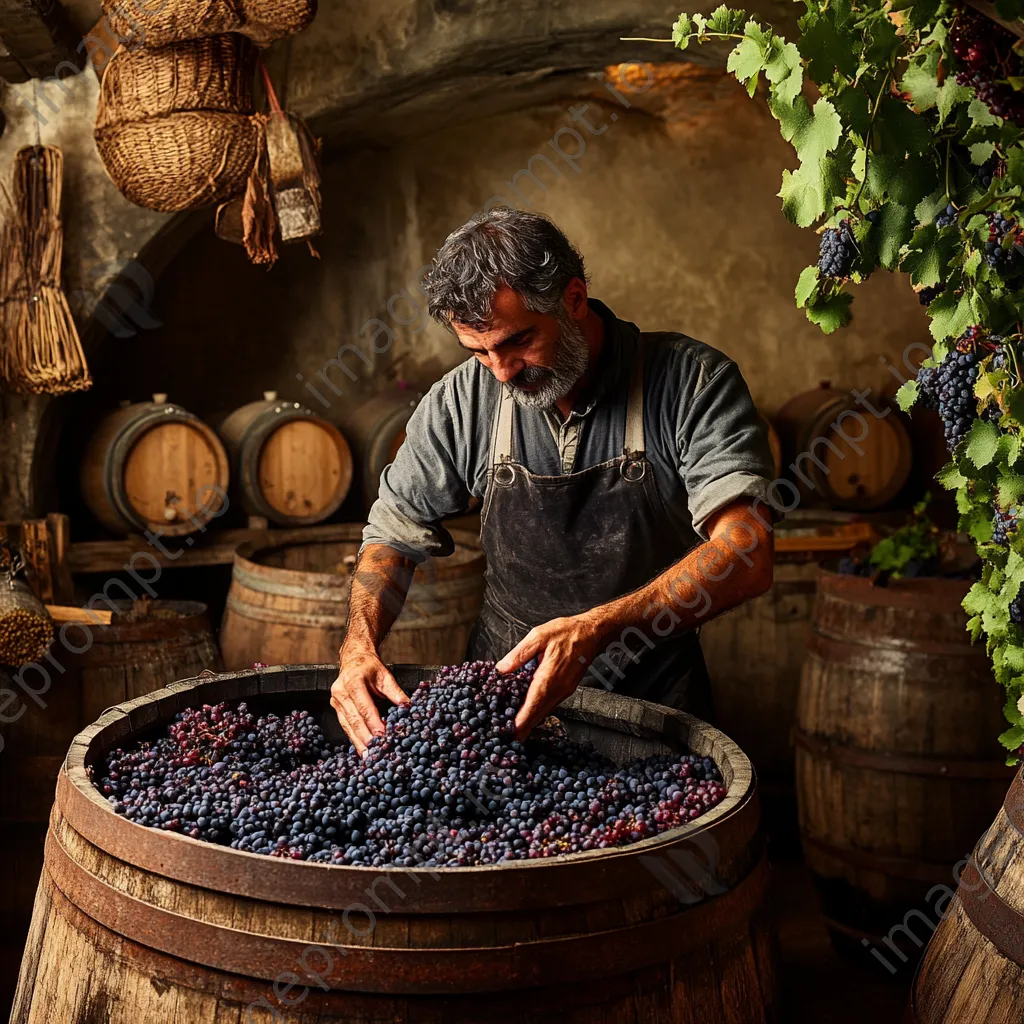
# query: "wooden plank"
[60,540]
[69,613]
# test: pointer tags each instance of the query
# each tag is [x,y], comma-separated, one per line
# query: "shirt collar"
[617,348]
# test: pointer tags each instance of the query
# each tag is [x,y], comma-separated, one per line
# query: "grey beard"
[571,357]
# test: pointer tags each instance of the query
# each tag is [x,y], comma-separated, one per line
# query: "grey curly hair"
[524,251]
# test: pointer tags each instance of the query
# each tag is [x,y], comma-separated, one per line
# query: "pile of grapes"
[446,785]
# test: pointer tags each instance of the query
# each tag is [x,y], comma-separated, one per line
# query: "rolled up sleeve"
[423,485]
[723,444]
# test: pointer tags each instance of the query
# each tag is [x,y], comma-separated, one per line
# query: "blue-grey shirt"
[704,437]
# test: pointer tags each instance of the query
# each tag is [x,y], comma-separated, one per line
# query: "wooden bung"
[627,935]
[290,466]
[154,466]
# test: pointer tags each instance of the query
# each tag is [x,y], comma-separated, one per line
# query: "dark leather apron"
[559,545]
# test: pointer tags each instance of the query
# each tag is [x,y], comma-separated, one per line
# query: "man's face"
[539,355]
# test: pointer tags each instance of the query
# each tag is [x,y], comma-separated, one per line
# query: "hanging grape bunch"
[986,61]
[837,251]
[446,785]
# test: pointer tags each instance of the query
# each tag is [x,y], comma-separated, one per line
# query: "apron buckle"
[504,474]
[633,468]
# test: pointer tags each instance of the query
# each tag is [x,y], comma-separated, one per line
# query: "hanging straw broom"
[40,352]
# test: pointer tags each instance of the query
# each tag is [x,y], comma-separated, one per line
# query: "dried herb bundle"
[40,351]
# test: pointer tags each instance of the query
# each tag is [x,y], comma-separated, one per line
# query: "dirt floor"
[818,985]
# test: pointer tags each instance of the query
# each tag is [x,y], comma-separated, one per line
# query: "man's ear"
[575,298]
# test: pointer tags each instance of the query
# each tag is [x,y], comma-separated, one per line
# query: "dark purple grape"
[837,251]
[446,785]
[949,387]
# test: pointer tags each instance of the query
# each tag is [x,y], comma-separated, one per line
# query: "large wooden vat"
[288,603]
[376,430]
[841,454]
[973,968]
[154,466]
[132,924]
[897,765]
[289,465]
[167,640]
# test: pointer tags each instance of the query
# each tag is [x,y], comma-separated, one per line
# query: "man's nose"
[503,368]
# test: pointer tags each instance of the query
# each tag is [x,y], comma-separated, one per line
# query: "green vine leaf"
[832,313]
[806,285]
[982,442]
[906,396]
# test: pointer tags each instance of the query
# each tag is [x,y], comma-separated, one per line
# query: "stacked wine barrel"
[154,466]
[843,454]
[93,669]
[897,765]
[134,924]
[376,430]
[288,602]
[290,466]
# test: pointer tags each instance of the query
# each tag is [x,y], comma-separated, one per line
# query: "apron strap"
[502,446]
[634,437]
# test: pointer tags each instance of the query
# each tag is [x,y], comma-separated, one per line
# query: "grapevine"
[907,118]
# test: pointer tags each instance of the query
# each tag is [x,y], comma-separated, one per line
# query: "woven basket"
[180,161]
[213,74]
[158,22]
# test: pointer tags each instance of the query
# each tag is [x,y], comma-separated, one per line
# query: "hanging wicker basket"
[205,74]
[159,22]
[26,629]
[175,125]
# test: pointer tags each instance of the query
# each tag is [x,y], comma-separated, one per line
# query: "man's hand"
[362,677]
[564,648]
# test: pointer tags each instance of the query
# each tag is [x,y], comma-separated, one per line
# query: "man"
[623,478]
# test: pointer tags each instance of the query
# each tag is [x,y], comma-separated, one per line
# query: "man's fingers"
[536,698]
[343,720]
[367,710]
[386,687]
[523,651]
[358,730]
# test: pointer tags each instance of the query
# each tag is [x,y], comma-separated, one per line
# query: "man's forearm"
[380,583]
[734,565]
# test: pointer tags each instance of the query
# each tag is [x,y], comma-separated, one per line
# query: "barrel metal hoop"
[409,970]
[994,918]
[834,647]
[901,764]
[885,864]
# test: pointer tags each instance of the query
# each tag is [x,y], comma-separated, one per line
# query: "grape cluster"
[946,217]
[996,254]
[1005,523]
[447,784]
[986,60]
[949,387]
[837,251]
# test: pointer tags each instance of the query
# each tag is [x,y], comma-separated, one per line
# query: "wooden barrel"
[288,603]
[973,968]
[755,652]
[132,924]
[289,465]
[154,466]
[167,640]
[376,430]
[839,453]
[897,765]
